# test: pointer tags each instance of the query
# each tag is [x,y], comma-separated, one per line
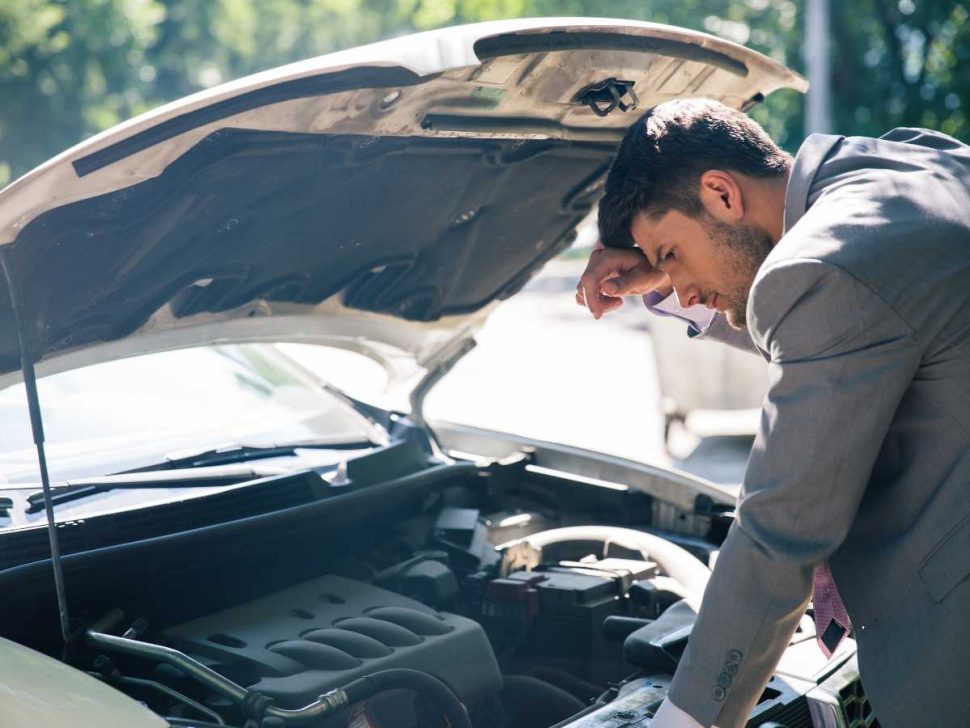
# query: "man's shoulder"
[887,222]
[928,138]
[784,283]
[901,227]
[907,145]
[802,308]
[907,162]
[906,172]
[860,187]
[848,238]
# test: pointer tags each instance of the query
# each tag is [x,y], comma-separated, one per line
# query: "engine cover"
[302,641]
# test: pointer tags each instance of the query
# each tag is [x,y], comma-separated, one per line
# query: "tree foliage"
[70,68]
[898,64]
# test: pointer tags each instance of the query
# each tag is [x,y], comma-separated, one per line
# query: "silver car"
[228,540]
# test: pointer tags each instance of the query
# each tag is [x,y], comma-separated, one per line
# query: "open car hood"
[381,198]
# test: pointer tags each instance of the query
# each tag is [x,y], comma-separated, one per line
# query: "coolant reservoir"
[36,690]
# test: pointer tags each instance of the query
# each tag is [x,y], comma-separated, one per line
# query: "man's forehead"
[647,230]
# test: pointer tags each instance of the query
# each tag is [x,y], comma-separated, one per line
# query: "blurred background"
[70,68]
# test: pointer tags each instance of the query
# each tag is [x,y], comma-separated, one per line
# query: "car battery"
[557,610]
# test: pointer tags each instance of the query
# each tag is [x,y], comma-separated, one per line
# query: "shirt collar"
[810,156]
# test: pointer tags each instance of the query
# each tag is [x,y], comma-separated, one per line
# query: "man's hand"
[612,273]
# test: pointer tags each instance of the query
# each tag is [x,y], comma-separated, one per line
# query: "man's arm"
[612,273]
[841,359]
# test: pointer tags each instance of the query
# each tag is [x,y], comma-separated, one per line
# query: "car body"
[379,201]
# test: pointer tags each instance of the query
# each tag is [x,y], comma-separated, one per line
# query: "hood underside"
[395,190]
[415,228]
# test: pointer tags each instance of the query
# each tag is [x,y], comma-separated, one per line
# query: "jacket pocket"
[948,563]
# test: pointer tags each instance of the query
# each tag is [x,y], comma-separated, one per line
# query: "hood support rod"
[435,374]
[37,426]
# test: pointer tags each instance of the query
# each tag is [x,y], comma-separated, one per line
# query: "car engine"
[301,642]
[510,595]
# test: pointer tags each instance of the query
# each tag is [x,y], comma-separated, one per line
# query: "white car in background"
[239,543]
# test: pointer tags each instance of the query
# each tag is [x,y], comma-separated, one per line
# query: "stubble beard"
[745,248]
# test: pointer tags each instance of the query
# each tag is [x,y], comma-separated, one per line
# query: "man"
[848,268]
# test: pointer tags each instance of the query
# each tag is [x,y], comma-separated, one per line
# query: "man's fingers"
[613,273]
[600,305]
[593,299]
[610,304]
[637,281]
[590,295]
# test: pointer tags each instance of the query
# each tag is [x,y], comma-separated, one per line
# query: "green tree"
[70,68]
[899,64]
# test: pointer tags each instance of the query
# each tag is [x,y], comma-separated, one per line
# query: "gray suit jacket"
[863,453]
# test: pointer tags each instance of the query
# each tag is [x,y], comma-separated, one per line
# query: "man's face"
[708,261]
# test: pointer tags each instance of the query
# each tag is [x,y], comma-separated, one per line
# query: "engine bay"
[527,597]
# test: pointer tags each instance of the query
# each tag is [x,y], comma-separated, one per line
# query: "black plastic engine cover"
[302,641]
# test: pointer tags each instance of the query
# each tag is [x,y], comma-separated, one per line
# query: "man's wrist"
[670,716]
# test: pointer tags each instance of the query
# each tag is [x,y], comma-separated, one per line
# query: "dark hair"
[663,155]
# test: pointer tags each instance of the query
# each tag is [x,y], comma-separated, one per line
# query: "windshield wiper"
[230,454]
[72,490]
[194,470]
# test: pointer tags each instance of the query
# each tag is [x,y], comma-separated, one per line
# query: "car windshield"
[135,412]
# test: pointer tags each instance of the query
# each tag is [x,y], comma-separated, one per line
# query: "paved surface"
[546,369]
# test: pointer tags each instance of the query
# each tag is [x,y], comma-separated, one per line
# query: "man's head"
[699,188]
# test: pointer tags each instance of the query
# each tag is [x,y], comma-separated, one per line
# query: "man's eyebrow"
[643,250]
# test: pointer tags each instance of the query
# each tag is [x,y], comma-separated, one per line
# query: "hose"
[420,682]
[675,561]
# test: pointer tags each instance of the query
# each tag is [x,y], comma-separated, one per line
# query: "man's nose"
[688,294]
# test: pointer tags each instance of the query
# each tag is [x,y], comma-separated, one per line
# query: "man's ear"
[721,196]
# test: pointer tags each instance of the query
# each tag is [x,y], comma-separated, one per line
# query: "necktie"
[832,622]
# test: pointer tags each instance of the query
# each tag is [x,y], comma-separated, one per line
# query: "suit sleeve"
[840,362]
